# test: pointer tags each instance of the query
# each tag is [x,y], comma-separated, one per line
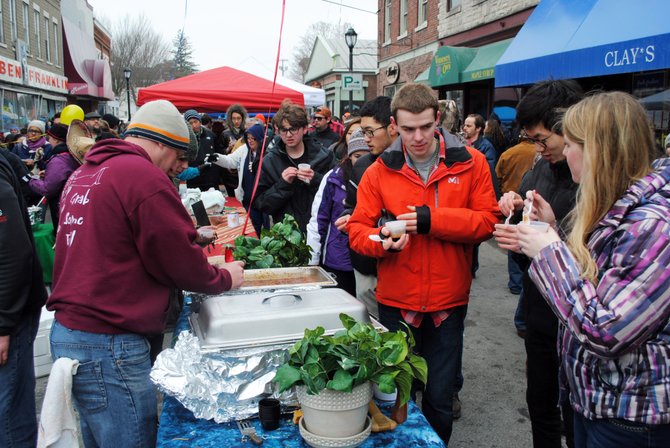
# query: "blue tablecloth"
[179,428]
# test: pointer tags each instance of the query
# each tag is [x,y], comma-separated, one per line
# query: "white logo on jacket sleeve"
[453,180]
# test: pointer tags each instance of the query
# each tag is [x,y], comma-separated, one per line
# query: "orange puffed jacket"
[457,209]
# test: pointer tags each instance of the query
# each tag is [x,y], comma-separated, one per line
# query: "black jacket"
[326,137]
[554,182]
[277,197]
[21,285]
[210,176]
[364,265]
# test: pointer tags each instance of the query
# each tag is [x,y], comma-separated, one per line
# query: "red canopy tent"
[216,89]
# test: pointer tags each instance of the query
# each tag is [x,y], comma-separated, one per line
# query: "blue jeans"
[112,391]
[442,348]
[515,273]
[18,421]
[614,433]
[520,313]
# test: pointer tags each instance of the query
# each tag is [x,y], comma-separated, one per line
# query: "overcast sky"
[230,32]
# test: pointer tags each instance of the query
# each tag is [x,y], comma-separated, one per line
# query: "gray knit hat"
[357,142]
[192,113]
[37,124]
[161,122]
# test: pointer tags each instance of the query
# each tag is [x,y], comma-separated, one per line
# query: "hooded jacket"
[615,343]
[59,167]
[458,210]
[124,241]
[210,176]
[21,286]
[277,197]
[330,246]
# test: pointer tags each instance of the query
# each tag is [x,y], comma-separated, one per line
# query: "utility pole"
[282,67]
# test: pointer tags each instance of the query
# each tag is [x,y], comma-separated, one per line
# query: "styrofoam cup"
[397,228]
[539,226]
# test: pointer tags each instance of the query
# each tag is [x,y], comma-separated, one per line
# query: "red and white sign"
[12,71]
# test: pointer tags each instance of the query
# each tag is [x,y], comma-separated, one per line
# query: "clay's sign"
[13,71]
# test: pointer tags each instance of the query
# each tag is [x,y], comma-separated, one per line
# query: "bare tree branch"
[137,46]
[303,50]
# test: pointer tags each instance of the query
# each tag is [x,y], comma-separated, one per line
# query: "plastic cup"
[397,229]
[268,413]
[539,226]
[233,219]
[304,167]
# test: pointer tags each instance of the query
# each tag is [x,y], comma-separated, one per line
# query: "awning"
[423,77]
[448,63]
[483,65]
[584,38]
[87,75]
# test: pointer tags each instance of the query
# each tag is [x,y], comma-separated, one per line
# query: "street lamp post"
[126,74]
[350,38]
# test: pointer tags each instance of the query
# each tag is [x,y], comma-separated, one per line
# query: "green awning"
[448,63]
[424,77]
[483,65]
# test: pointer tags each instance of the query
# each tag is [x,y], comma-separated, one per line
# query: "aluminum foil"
[222,385]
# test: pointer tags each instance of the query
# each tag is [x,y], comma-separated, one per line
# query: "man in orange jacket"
[444,193]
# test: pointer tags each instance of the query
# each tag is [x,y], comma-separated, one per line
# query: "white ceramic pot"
[379,395]
[333,413]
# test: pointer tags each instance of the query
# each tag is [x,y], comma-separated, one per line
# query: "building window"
[47,46]
[12,19]
[26,25]
[453,4]
[403,17]
[38,41]
[2,27]
[422,12]
[387,21]
[56,51]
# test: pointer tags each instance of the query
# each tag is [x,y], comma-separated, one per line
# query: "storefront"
[467,75]
[603,44]
[90,77]
[28,93]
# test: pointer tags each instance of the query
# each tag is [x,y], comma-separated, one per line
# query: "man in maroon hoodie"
[124,241]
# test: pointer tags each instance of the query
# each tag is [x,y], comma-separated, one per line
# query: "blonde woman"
[609,283]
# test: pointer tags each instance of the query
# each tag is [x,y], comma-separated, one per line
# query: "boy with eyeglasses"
[283,188]
[539,115]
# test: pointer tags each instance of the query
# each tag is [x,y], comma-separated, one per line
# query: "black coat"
[210,176]
[277,197]
[554,182]
[21,285]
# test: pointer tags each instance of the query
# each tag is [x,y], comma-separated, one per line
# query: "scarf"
[34,146]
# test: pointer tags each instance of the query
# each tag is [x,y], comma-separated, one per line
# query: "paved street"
[494,410]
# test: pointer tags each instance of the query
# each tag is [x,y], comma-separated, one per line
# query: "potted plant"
[343,366]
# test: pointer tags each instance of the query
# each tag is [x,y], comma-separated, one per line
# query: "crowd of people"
[594,288]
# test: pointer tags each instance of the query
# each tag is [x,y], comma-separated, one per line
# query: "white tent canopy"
[313,96]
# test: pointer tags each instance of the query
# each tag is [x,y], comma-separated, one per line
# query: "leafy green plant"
[283,245]
[352,356]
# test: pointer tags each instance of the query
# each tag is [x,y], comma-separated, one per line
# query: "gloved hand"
[189,173]
[204,166]
[212,158]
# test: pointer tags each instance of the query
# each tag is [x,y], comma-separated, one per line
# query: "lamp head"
[350,37]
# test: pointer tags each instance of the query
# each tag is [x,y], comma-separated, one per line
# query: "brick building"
[451,45]
[32,80]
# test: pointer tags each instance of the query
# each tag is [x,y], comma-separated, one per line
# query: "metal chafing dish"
[242,337]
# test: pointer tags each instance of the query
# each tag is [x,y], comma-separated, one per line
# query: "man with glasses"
[539,114]
[322,132]
[379,133]
[292,169]
[124,241]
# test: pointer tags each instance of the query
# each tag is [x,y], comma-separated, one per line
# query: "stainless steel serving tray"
[267,318]
[271,279]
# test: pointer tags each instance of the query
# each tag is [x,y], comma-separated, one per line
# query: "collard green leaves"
[352,356]
[280,247]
